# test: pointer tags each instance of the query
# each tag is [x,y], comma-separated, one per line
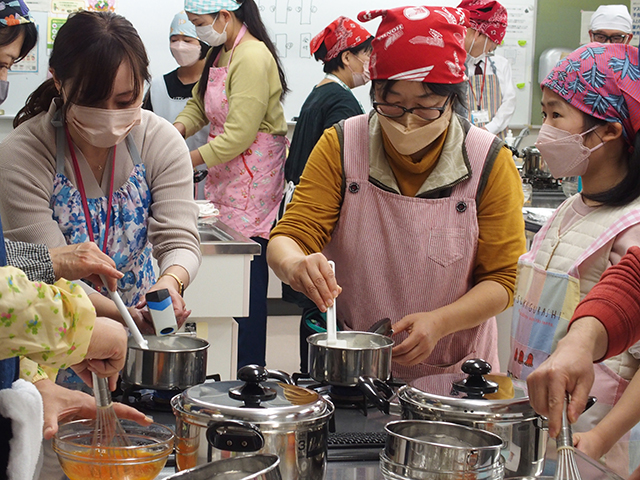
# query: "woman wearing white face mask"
[240,94]
[85,163]
[591,119]
[168,96]
[420,210]
[492,94]
[344,48]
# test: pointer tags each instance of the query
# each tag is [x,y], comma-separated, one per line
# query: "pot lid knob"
[251,392]
[475,385]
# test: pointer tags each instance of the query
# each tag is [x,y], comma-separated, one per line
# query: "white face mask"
[207,33]
[186,54]
[473,60]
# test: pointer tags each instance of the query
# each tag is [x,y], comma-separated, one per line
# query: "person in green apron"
[591,118]
[492,95]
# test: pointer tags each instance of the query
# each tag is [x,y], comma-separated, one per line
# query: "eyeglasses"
[391,110]
[602,38]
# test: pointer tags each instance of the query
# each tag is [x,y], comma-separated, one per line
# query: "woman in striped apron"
[591,116]
[405,201]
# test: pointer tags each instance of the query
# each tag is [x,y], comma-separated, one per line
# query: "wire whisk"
[566,468]
[108,431]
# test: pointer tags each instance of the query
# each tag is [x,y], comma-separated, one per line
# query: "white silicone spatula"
[332,324]
[133,328]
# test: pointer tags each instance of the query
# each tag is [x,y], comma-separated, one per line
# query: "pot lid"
[251,398]
[471,393]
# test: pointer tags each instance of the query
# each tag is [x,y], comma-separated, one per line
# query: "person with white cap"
[611,24]
[407,199]
[168,98]
[492,94]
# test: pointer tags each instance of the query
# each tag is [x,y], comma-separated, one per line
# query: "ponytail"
[248,14]
[38,102]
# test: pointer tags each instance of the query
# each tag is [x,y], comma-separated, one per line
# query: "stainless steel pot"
[363,354]
[255,415]
[252,467]
[171,362]
[458,398]
[533,165]
[418,449]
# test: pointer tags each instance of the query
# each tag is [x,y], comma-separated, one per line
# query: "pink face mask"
[103,127]
[564,153]
[186,54]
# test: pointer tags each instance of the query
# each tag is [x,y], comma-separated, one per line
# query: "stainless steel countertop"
[217,238]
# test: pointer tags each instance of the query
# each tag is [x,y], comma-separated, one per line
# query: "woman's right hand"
[312,275]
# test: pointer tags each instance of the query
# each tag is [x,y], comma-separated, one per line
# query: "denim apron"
[544,303]
[127,243]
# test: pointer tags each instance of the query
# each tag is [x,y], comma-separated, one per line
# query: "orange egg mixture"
[80,469]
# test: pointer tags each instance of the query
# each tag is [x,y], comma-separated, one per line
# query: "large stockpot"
[460,399]
[172,362]
[420,449]
[251,467]
[362,354]
[533,165]
[252,416]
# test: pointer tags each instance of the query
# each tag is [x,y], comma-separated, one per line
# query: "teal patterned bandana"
[203,7]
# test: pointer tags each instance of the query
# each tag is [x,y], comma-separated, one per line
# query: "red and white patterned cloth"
[340,35]
[488,17]
[420,44]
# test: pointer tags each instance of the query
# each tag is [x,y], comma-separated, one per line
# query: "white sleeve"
[503,115]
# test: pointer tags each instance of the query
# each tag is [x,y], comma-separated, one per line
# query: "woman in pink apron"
[591,117]
[240,94]
[405,201]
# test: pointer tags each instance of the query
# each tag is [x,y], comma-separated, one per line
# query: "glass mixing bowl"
[142,460]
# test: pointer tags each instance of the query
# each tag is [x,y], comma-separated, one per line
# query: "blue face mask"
[4,90]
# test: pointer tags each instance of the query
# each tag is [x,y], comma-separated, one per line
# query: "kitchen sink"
[216,238]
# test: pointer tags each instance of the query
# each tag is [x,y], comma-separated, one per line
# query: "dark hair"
[628,189]
[337,63]
[456,90]
[248,14]
[204,49]
[8,35]
[87,52]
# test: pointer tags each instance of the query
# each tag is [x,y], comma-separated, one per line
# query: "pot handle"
[235,436]
[280,375]
[377,391]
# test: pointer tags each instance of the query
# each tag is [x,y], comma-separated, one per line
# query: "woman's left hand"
[62,404]
[424,332]
[179,305]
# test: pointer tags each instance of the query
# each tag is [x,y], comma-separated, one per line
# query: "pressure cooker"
[465,399]
[254,415]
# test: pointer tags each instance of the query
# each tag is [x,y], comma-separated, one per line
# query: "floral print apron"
[247,189]
[127,242]
[543,305]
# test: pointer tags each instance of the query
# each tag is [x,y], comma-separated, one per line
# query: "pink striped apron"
[544,303]
[419,253]
[484,92]
[247,189]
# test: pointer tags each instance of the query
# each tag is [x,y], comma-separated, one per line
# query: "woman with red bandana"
[591,111]
[492,95]
[420,210]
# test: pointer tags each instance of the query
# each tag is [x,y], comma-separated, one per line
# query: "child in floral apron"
[591,117]
[239,94]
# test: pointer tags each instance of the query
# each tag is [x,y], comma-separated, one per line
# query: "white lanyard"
[332,77]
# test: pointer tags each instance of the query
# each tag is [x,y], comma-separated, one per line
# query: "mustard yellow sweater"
[315,208]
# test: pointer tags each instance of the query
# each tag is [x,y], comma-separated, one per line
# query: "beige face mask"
[102,127]
[418,133]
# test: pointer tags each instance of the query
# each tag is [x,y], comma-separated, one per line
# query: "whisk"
[566,468]
[108,431]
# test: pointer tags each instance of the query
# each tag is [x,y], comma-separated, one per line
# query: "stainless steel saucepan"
[171,362]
